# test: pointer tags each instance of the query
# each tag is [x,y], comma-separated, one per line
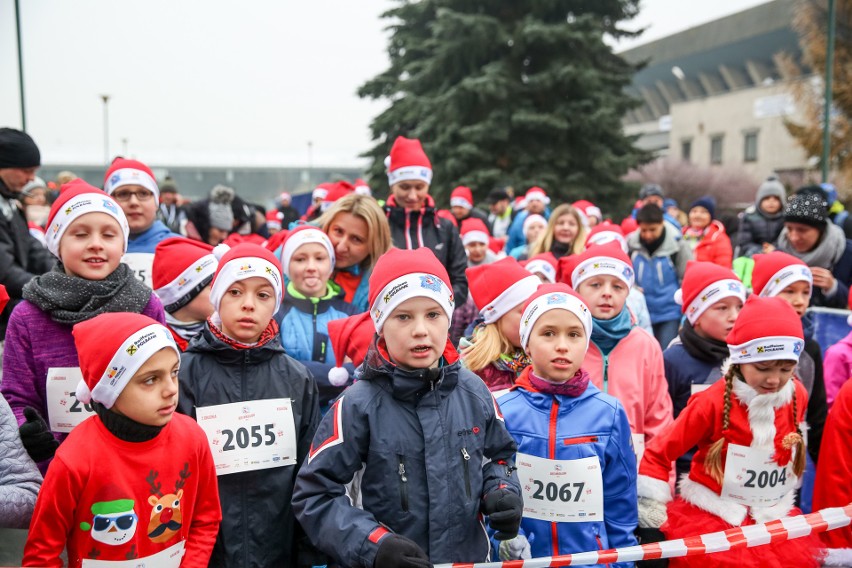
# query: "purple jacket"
[36,343]
[837,367]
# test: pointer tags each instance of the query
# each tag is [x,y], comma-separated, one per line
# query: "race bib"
[696,388]
[638,446]
[168,558]
[245,436]
[141,263]
[63,409]
[565,491]
[752,478]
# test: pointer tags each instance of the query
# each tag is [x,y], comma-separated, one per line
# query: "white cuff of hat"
[542,267]
[132,354]
[608,236]
[461,202]
[773,348]
[243,268]
[420,173]
[602,266]
[475,237]
[130,176]
[77,207]
[516,294]
[304,237]
[416,284]
[713,293]
[191,277]
[554,301]
[785,277]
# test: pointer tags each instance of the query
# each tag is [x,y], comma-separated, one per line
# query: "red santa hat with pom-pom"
[462,196]
[704,284]
[182,268]
[111,348]
[775,271]
[408,161]
[767,329]
[242,262]
[474,230]
[500,287]
[350,337]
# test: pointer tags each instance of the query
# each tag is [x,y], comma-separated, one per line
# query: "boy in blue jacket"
[409,459]
[575,458]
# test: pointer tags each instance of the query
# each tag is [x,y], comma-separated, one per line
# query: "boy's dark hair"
[649,213]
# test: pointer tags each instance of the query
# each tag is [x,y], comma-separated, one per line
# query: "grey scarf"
[71,299]
[828,251]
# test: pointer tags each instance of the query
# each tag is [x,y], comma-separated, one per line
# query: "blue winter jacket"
[423,447]
[516,236]
[304,332]
[659,275]
[147,241]
[559,427]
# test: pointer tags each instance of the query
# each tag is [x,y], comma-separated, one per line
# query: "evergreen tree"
[509,92]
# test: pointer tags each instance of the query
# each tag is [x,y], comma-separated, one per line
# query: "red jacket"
[832,487]
[167,485]
[715,246]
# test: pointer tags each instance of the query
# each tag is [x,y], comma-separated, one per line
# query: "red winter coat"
[715,246]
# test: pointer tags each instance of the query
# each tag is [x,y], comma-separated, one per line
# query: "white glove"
[517,548]
[652,513]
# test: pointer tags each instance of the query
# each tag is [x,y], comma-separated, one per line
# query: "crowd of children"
[317,397]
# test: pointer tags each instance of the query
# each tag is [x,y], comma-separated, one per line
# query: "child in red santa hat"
[257,405]
[182,272]
[493,350]
[88,233]
[137,481]
[751,452]
[422,435]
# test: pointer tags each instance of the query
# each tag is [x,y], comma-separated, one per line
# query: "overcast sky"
[201,82]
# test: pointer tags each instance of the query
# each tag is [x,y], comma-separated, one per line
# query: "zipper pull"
[465,455]
[402,472]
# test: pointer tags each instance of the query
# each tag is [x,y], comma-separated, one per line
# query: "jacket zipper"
[403,483]
[600,545]
[466,461]
[605,372]
[243,489]
[580,440]
[408,231]
[551,450]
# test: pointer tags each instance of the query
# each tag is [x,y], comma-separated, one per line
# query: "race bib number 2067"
[568,491]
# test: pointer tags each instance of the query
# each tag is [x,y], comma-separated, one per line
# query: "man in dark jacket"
[412,214]
[21,256]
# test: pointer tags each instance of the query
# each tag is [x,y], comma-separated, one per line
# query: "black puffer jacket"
[412,229]
[258,527]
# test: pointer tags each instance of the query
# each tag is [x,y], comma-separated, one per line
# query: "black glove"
[647,536]
[396,551]
[504,510]
[36,436]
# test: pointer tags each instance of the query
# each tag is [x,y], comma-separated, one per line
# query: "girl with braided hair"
[749,431]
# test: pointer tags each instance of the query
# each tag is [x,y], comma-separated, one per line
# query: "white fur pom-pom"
[83,393]
[338,376]
[220,250]
[678,296]
[387,162]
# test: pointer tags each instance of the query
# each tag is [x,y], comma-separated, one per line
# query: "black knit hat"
[17,150]
[807,208]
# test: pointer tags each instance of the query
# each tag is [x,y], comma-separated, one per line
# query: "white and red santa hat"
[775,271]
[400,275]
[78,198]
[605,232]
[474,230]
[338,190]
[111,348]
[704,284]
[408,161]
[182,269]
[587,209]
[350,337]
[532,219]
[500,287]
[320,191]
[536,193]
[362,188]
[462,197]
[554,297]
[130,172]
[767,329]
[242,262]
[274,217]
[303,235]
[598,260]
[545,264]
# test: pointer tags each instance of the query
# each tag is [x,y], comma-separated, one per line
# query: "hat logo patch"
[110,206]
[734,287]
[797,348]
[245,267]
[430,283]
[68,210]
[132,350]
[628,272]
[557,299]
[182,281]
[394,291]
[198,268]
[115,179]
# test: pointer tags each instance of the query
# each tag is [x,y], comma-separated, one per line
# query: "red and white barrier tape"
[787,528]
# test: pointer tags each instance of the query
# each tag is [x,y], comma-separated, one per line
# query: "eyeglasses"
[123,196]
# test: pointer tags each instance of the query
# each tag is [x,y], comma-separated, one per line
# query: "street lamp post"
[105,99]
[829,75]
[310,162]
[20,67]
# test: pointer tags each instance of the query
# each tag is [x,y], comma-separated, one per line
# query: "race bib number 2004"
[567,491]
[245,436]
[753,478]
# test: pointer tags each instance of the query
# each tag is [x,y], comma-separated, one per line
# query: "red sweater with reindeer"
[754,420]
[108,499]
